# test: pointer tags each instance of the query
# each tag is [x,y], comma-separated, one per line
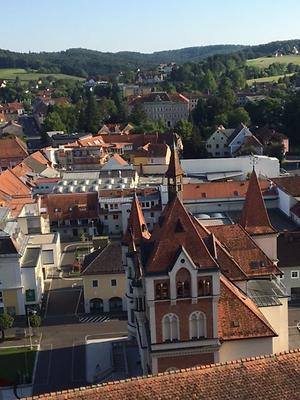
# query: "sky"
[144,26]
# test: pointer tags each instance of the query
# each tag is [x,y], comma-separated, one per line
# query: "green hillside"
[12,73]
[265,62]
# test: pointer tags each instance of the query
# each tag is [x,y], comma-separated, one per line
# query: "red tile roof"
[270,377]
[254,217]
[289,184]
[244,250]
[70,206]
[119,159]
[12,148]
[219,190]
[12,185]
[176,229]
[238,316]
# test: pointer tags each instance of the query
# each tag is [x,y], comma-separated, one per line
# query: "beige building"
[104,280]
[163,106]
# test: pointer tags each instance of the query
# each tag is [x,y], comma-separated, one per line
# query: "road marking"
[47,302]
[93,318]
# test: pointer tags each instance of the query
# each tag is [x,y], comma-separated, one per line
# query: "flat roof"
[31,257]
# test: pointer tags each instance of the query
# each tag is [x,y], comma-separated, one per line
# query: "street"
[61,362]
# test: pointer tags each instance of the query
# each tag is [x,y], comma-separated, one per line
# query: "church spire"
[174,174]
[137,227]
[254,218]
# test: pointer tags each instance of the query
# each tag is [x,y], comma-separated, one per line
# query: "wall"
[14,298]
[154,169]
[286,202]
[268,244]
[104,290]
[266,166]
[181,361]
[237,349]
[288,281]
[277,316]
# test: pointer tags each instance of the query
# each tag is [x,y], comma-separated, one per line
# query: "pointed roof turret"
[137,227]
[254,218]
[174,168]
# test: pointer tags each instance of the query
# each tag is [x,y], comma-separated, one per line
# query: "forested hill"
[84,62]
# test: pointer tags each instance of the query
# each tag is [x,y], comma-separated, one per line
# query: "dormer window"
[204,287]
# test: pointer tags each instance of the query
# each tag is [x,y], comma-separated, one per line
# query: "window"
[236,193]
[115,216]
[162,291]
[183,289]
[203,195]
[170,328]
[197,324]
[95,283]
[294,274]
[1,297]
[217,146]
[113,282]
[152,214]
[204,287]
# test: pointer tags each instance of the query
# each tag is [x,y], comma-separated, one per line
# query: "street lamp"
[33,312]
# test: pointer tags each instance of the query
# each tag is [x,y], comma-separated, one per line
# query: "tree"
[184,129]
[6,322]
[209,82]
[92,114]
[53,122]
[138,115]
[237,116]
[35,321]
[275,150]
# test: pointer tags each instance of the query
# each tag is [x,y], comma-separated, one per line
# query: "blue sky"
[146,26]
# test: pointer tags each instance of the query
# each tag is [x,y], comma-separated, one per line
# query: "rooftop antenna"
[253,161]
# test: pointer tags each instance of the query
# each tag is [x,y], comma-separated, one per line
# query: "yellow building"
[104,280]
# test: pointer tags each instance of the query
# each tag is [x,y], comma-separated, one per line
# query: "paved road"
[61,362]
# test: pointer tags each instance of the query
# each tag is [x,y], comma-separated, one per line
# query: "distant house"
[12,128]
[268,136]
[230,142]
[103,278]
[12,110]
[156,155]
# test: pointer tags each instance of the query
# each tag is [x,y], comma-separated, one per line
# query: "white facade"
[238,168]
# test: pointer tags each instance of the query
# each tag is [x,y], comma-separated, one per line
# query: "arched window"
[197,325]
[183,283]
[204,287]
[170,327]
[162,290]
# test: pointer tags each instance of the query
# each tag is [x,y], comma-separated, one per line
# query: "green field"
[16,361]
[264,62]
[12,73]
[273,78]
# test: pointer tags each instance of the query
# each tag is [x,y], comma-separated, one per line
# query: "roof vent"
[179,227]
[235,324]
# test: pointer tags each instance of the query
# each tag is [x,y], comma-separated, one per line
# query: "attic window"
[254,265]
[235,324]
[203,194]
[179,227]
[236,193]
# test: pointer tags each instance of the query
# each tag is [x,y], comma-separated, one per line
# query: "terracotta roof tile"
[244,250]
[12,148]
[289,184]
[254,217]
[238,316]
[176,229]
[12,185]
[70,206]
[137,228]
[219,190]
[261,378]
